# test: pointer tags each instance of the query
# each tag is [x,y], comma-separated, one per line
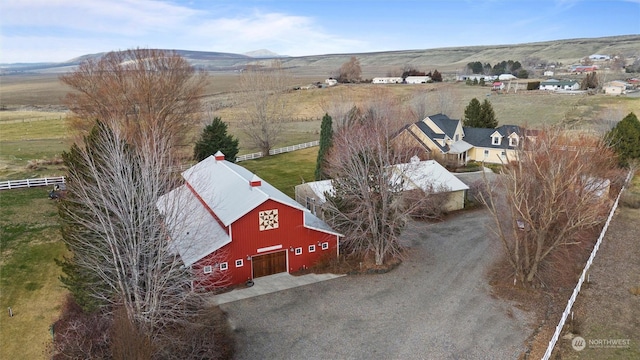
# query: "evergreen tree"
[326,139]
[472,113]
[436,76]
[81,283]
[625,139]
[214,137]
[487,116]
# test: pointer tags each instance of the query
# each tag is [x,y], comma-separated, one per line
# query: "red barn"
[230,222]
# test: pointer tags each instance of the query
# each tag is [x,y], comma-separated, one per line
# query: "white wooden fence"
[27,183]
[583,276]
[278,151]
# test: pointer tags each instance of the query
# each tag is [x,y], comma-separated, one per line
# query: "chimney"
[255,181]
[219,156]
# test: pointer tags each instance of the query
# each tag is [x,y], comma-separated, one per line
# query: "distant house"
[387,80]
[555,85]
[503,77]
[417,79]
[497,85]
[615,88]
[478,77]
[440,135]
[428,176]
[331,82]
[599,57]
[233,222]
[548,73]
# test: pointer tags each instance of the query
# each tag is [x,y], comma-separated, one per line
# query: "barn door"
[269,264]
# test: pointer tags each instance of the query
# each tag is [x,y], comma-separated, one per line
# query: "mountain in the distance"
[567,51]
[263,53]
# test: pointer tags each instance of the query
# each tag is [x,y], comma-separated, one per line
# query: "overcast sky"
[59,30]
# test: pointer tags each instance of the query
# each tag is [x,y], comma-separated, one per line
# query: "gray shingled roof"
[445,124]
[481,137]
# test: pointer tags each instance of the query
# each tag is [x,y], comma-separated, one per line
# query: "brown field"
[35,111]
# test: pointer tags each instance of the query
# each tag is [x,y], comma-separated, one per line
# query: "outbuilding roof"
[226,189]
[218,189]
[194,233]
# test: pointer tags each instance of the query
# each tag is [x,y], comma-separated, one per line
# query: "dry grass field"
[33,134]
[32,128]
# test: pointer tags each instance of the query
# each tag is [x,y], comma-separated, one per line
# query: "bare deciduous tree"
[370,204]
[419,104]
[350,71]
[558,188]
[446,101]
[122,256]
[138,91]
[264,114]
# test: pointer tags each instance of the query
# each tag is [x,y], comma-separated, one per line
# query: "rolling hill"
[377,63]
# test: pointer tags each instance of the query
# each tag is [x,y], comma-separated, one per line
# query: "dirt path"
[436,305]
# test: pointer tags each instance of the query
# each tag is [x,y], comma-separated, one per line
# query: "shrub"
[533,85]
[80,335]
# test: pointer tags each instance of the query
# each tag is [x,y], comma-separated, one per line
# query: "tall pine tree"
[487,116]
[480,115]
[625,139]
[326,139]
[472,113]
[214,137]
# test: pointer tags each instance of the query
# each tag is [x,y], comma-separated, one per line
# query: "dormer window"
[513,141]
[495,140]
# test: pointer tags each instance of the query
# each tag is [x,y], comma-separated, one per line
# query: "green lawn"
[285,171]
[29,243]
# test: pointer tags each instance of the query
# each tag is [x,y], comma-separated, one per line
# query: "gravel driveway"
[436,305]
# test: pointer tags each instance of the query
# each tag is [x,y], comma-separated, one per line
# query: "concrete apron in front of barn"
[272,283]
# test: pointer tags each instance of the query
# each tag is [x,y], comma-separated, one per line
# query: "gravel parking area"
[436,305]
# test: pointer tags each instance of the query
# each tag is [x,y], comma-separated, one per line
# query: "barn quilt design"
[268,219]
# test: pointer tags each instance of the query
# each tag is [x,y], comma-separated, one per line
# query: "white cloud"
[283,33]
[41,30]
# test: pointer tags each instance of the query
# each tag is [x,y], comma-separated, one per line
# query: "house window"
[207,269]
[457,137]
[268,219]
[486,154]
[513,141]
[503,154]
[239,263]
[312,248]
[299,251]
[495,140]
[224,266]
[325,245]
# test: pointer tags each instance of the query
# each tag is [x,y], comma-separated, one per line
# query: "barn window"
[325,245]
[299,251]
[224,266]
[312,248]
[207,269]
[268,219]
[239,263]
